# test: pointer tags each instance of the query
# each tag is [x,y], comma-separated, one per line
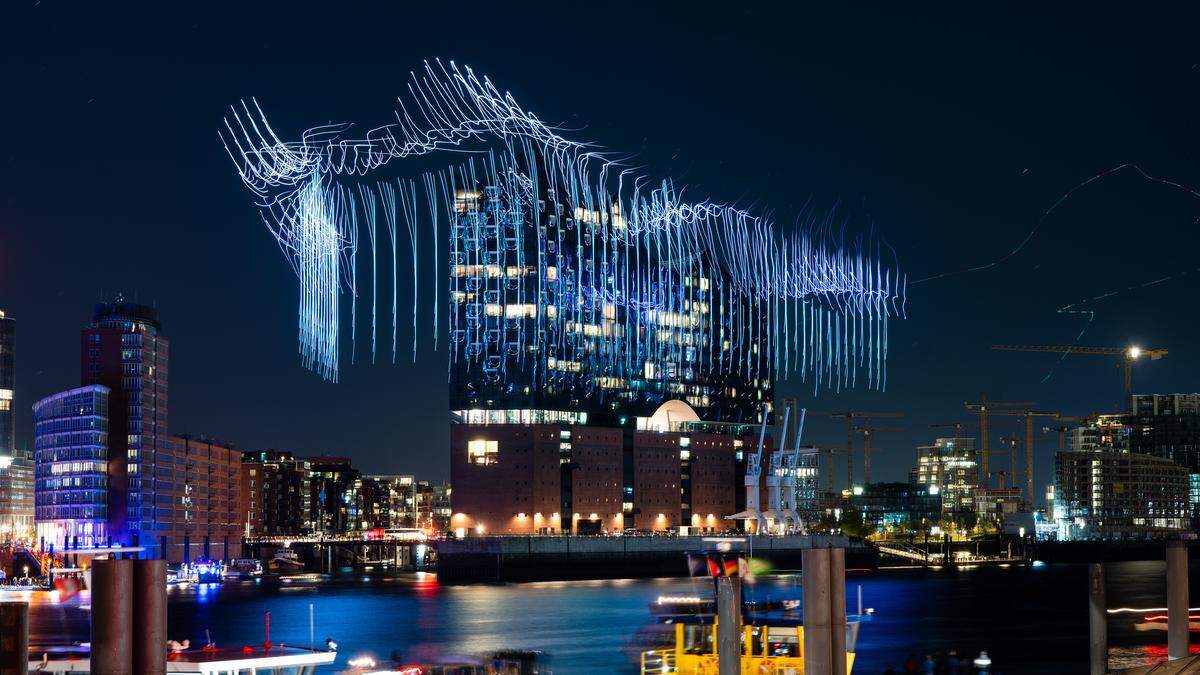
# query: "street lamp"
[1135,352]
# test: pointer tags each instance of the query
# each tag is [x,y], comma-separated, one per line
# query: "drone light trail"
[561,261]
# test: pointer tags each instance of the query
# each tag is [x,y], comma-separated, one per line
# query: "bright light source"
[1135,352]
[933,489]
[858,490]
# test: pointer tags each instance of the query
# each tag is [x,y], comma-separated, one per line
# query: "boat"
[260,659]
[244,568]
[772,642]
[285,560]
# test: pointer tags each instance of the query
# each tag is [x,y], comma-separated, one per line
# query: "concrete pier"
[1097,619]
[818,652]
[112,616]
[150,617]
[729,625]
[1177,600]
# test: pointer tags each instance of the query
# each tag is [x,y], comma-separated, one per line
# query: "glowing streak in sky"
[658,285]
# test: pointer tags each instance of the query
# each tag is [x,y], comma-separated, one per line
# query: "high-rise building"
[950,465]
[275,494]
[1118,495]
[1168,426]
[72,461]
[123,350]
[16,467]
[581,407]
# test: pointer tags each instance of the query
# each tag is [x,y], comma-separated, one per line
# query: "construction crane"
[1028,415]
[866,431]
[850,416]
[983,408]
[1062,430]
[1127,355]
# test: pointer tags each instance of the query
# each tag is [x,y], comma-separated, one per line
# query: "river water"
[1029,619]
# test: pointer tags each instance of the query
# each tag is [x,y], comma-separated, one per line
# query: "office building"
[896,506]
[276,499]
[1119,495]
[951,465]
[397,503]
[433,507]
[176,497]
[71,455]
[16,465]
[1168,426]
[196,513]
[122,349]
[998,503]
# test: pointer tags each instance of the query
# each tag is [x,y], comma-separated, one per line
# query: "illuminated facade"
[275,494]
[71,455]
[891,506]
[1119,495]
[585,303]
[952,467]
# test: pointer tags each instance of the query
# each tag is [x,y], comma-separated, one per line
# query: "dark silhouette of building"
[332,495]
[275,494]
[16,466]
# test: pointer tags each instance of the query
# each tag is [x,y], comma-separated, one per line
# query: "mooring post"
[1177,600]
[837,610]
[112,616]
[150,617]
[1097,619]
[816,589]
[14,645]
[729,625]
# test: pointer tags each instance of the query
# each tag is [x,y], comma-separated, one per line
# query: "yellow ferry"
[772,644]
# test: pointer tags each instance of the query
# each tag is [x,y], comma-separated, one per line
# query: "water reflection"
[1028,619]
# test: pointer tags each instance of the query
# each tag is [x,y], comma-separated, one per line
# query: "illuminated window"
[482,452]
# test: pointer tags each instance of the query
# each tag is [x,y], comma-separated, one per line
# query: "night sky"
[949,132]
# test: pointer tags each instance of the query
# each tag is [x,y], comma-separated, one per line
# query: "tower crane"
[866,431]
[850,416]
[983,408]
[1028,415]
[1127,355]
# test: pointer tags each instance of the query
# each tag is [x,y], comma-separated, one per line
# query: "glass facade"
[71,456]
[557,308]
[124,351]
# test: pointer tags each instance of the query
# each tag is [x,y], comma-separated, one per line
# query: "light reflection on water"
[1028,619]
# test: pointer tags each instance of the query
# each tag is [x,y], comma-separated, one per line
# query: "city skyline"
[216,275]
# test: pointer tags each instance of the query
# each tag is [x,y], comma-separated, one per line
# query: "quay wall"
[547,558]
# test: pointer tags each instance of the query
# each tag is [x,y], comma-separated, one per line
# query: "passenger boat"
[285,560]
[772,642]
[276,660]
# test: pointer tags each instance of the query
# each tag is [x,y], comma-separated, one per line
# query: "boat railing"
[658,662]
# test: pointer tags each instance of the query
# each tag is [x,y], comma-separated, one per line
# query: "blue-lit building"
[71,466]
[553,308]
